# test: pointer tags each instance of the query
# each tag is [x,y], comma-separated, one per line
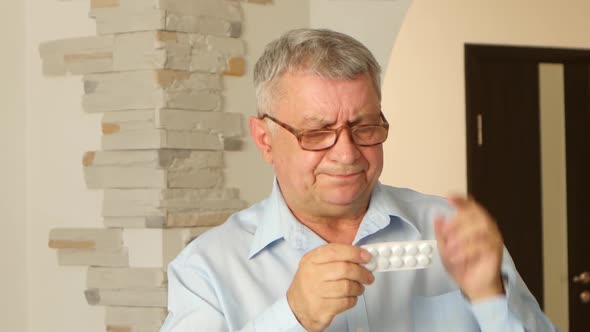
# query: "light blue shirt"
[235,277]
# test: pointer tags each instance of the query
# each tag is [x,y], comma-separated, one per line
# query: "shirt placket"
[357,317]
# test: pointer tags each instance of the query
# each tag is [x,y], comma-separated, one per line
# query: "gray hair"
[323,52]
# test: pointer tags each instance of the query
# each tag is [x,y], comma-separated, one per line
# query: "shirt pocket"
[443,313]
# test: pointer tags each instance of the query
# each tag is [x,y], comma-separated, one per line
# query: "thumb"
[458,201]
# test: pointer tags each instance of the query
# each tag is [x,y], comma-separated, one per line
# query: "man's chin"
[342,197]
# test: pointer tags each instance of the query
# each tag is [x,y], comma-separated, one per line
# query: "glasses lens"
[369,135]
[317,140]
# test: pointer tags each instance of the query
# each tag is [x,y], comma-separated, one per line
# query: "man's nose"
[345,150]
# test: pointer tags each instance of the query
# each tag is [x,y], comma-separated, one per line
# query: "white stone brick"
[194,159]
[174,240]
[128,297]
[143,50]
[135,222]
[124,177]
[114,20]
[151,89]
[171,198]
[134,317]
[77,55]
[182,218]
[126,4]
[161,139]
[183,198]
[200,178]
[228,9]
[204,25]
[207,62]
[85,238]
[93,257]
[228,124]
[125,278]
[204,16]
[174,50]
[164,158]
[198,218]
[226,45]
[197,169]
[157,202]
[126,121]
[160,129]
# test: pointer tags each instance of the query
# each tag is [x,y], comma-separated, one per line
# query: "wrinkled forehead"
[308,97]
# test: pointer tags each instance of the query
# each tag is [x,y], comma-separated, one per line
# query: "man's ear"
[261,136]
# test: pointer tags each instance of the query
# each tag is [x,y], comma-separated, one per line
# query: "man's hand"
[327,282]
[471,246]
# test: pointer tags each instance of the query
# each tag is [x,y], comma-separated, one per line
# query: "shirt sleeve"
[193,306]
[493,315]
[517,311]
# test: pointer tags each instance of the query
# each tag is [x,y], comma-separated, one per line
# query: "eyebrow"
[314,121]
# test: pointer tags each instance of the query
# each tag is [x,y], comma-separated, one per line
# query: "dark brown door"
[503,156]
[577,121]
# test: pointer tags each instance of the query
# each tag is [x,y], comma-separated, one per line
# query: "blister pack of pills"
[393,256]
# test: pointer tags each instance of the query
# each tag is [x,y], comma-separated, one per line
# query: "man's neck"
[333,229]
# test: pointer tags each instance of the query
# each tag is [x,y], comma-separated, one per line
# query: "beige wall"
[424,93]
[374,23]
[13,237]
[58,132]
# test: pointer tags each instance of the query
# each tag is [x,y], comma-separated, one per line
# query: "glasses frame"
[298,133]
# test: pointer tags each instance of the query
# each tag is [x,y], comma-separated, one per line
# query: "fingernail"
[365,255]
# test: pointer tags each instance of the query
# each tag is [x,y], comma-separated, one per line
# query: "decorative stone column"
[155,72]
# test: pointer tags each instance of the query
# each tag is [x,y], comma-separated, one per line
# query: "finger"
[472,251]
[440,229]
[473,229]
[469,255]
[345,271]
[339,305]
[336,252]
[341,288]
[462,234]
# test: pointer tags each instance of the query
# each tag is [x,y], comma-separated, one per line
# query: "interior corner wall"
[373,23]
[13,237]
[424,87]
[262,23]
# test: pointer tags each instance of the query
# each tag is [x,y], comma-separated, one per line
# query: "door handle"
[582,278]
[585,297]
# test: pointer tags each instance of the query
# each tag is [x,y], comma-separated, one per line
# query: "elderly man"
[294,261]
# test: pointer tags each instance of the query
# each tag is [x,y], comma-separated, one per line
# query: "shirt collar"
[270,224]
[386,207]
[276,221]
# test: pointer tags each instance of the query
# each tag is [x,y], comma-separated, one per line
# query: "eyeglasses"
[322,139]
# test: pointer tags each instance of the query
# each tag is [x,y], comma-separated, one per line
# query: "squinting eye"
[365,132]
[317,137]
